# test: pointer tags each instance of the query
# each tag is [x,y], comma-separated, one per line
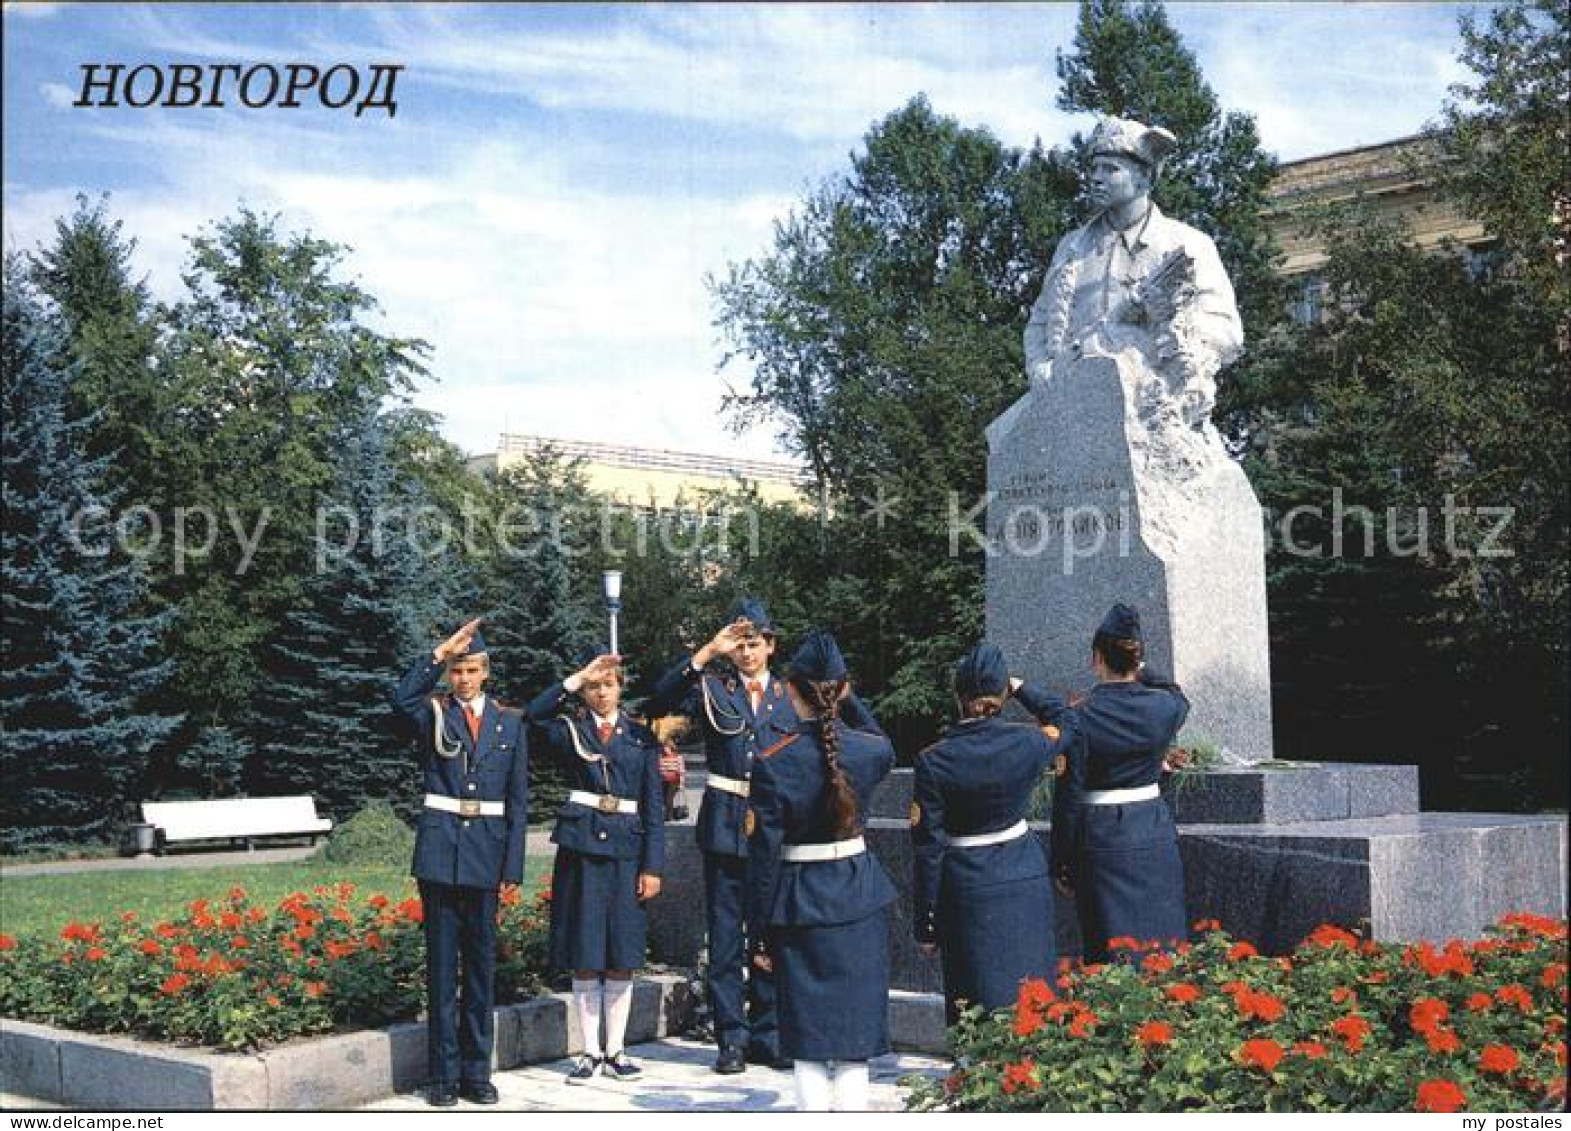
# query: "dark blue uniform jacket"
[626,766]
[1122,732]
[480,852]
[788,804]
[978,779]
[716,699]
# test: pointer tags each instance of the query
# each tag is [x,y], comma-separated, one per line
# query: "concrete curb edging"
[116,1073]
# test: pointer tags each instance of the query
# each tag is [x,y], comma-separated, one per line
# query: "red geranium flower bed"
[1344,1024]
[234,975]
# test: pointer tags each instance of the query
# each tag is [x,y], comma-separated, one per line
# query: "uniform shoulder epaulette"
[509,709]
[771,751]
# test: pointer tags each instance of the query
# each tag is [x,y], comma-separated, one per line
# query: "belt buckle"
[468,807]
[606,803]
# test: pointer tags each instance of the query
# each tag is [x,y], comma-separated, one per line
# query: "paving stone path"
[676,1077]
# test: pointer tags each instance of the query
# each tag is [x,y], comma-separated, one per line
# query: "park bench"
[235,819]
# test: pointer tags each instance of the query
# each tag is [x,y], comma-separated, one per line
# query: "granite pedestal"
[1088,507]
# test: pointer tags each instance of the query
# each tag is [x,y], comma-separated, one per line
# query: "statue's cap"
[1124,138]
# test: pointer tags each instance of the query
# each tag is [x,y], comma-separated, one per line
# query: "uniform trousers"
[460,937]
[738,1024]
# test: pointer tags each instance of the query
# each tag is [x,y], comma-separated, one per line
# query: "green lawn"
[33,905]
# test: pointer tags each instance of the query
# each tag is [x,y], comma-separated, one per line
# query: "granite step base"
[1401,877]
[1280,792]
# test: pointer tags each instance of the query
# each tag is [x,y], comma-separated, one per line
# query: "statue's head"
[1125,159]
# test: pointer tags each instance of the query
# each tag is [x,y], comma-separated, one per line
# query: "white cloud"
[578,314]
[58,95]
[31,9]
[1330,76]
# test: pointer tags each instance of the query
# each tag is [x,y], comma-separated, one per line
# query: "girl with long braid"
[817,899]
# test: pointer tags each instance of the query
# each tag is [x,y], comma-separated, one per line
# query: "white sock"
[587,1003]
[814,1092]
[850,1085]
[618,1006]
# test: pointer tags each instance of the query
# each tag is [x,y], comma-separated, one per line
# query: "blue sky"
[559,179]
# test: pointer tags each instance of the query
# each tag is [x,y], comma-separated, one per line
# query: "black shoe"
[441,1095]
[585,1070]
[479,1092]
[618,1066]
[768,1058]
[729,1062]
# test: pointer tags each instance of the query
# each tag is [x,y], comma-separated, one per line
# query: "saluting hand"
[458,642]
[648,885]
[600,668]
[725,642]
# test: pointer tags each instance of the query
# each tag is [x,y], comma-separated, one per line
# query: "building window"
[1308,306]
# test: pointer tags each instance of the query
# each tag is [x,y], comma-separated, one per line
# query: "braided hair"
[824,699]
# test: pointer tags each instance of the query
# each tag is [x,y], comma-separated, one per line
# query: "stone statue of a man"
[1134,280]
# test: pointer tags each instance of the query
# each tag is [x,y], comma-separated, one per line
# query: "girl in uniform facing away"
[817,899]
[982,894]
[1114,842]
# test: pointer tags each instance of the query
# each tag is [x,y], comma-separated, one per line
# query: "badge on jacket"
[750,823]
[916,814]
[1060,766]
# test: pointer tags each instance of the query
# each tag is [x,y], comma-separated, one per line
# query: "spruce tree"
[543,610]
[323,721]
[111,334]
[79,657]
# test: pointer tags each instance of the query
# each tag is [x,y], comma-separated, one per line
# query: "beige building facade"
[1394,178]
[656,478]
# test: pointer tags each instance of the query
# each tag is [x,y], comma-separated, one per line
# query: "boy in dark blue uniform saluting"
[470,844]
[740,709]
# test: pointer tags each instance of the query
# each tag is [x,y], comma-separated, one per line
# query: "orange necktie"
[604,730]
[473,720]
[755,693]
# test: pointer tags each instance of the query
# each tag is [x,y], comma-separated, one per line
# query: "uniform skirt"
[991,938]
[1130,880]
[832,985]
[597,922]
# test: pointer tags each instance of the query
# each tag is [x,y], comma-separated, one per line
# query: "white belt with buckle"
[982,840]
[816,853]
[466,806]
[1121,796]
[729,785]
[604,802]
